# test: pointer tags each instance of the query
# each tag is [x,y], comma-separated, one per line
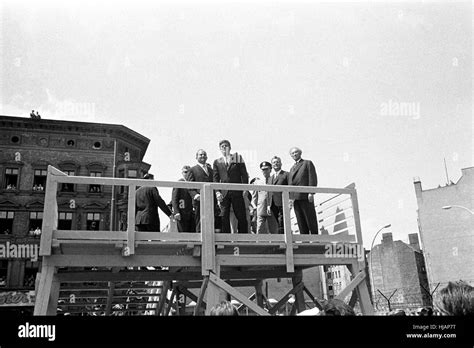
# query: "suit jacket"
[198,174]
[280,179]
[302,173]
[262,200]
[182,201]
[147,201]
[235,174]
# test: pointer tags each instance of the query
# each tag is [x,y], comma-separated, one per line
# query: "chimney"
[418,188]
[387,238]
[414,241]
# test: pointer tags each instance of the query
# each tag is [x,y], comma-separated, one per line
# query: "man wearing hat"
[147,201]
[262,202]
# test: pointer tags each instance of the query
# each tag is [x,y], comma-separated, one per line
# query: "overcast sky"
[373,93]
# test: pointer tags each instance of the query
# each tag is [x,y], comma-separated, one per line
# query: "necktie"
[205,169]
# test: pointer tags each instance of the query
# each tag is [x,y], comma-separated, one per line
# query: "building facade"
[27,147]
[398,274]
[447,236]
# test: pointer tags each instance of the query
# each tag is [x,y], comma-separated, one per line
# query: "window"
[3,273]
[132,173]
[97,145]
[6,222]
[95,188]
[330,287]
[11,178]
[36,222]
[93,221]
[39,180]
[31,269]
[65,221]
[67,187]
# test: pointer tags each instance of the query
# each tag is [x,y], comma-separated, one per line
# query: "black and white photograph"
[170,161]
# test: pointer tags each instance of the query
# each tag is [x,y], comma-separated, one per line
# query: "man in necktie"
[202,172]
[230,168]
[303,173]
[280,177]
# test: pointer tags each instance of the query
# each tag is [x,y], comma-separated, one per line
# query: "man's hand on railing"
[177,217]
[219,197]
[269,211]
[197,197]
[310,197]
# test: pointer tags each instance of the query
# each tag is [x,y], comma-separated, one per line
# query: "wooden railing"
[328,210]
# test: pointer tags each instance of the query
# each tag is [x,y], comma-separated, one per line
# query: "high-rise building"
[447,235]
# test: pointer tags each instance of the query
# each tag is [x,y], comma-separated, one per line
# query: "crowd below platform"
[258,212]
[457,299]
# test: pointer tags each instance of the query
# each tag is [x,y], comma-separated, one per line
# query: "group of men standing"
[230,168]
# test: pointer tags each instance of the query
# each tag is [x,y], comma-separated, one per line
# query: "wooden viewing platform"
[103,271]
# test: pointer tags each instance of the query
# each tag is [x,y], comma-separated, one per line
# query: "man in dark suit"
[303,173]
[183,205]
[147,201]
[201,172]
[230,168]
[280,177]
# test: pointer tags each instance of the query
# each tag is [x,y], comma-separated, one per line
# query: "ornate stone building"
[27,147]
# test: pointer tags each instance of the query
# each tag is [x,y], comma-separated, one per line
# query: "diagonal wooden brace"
[352,285]
[236,294]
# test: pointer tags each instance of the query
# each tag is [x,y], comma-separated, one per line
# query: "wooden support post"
[130,248]
[259,293]
[214,294]
[207,230]
[170,303]
[199,301]
[50,218]
[362,291]
[299,296]
[110,293]
[44,288]
[163,294]
[290,265]
[53,297]
[355,211]
[179,308]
